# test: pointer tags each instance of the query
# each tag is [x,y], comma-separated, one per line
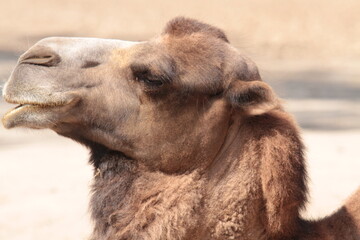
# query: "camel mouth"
[22,106]
[33,114]
[27,106]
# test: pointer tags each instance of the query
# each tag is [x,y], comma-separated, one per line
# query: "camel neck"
[108,163]
[232,133]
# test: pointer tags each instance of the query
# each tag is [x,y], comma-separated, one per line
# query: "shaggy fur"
[186,140]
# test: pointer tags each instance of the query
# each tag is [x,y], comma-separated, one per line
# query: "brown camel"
[186,140]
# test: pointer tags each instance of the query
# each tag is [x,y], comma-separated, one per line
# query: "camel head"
[168,102]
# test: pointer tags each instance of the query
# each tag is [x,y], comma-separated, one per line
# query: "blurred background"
[308,51]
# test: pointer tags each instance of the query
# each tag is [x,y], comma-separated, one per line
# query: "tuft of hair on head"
[182,26]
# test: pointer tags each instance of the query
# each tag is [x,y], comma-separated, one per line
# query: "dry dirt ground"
[307,50]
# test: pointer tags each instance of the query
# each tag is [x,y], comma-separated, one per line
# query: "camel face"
[50,76]
[158,101]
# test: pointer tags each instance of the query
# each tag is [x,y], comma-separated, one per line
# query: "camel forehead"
[64,43]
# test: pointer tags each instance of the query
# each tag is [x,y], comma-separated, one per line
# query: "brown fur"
[181,26]
[186,140]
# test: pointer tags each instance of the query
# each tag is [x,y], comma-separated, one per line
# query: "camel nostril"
[41,59]
[90,64]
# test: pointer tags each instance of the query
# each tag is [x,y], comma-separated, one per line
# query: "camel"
[186,140]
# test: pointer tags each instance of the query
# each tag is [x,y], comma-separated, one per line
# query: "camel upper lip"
[57,99]
[39,104]
[26,105]
[21,104]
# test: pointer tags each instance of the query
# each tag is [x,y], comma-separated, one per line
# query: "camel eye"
[151,82]
[143,74]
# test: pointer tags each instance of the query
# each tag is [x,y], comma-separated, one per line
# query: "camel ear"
[253,97]
[246,91]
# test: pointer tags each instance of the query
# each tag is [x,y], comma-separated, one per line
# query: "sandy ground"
[44,187]
[308,51]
